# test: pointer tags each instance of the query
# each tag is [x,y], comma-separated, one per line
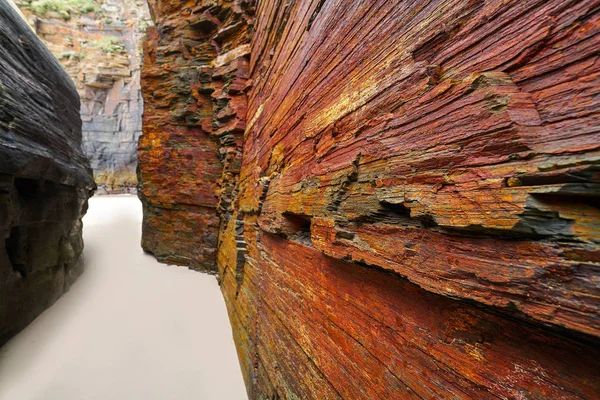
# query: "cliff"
[98,42]
[415,214]
[45,179]
[193,78]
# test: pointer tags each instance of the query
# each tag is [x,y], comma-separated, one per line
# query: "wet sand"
[129,328]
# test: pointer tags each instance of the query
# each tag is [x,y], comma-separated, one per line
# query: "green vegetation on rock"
[64,7]
[71,55]
[110,44]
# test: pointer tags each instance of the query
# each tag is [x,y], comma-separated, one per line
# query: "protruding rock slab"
[45,180]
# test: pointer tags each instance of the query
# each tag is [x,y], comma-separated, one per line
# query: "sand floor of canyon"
[129,328]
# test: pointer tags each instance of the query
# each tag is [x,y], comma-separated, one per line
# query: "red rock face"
[417,207]
[195,71]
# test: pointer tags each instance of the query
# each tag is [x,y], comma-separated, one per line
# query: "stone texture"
[416,212]
[102,52]
[45,179]
[194,74]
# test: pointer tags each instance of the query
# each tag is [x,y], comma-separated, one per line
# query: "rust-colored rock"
[416,213]
[194,76]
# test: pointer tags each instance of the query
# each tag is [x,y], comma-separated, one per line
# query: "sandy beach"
[129,328]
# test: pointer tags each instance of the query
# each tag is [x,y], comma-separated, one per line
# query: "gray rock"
[45,179]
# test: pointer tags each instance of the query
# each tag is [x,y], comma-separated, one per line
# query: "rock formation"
[45,179]
[98,42]
[415,214]
[194,76]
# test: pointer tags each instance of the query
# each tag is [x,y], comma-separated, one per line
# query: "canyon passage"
[396,199]
[130,328]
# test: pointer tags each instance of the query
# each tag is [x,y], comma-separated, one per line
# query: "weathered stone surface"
[416,212]
[194,76]
[45,179]
[99,44]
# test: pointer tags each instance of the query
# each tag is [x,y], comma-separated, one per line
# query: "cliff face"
[45,179]
[194,74]
[416,212]
[98,42]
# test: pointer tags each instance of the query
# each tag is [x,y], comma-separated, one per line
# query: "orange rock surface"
[193,80]
[416,210]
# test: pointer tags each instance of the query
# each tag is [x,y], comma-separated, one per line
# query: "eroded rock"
[98,42]
[45,179]
[416,210]
[194,79]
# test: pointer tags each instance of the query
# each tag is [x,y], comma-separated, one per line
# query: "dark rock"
[45,179]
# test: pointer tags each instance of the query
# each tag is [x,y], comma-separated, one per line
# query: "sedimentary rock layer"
[416,213]
[194,75]
[98,42]
[45,179]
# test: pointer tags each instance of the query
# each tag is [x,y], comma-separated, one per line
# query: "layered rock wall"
[194,77]
[416,212]
[98,42]
[45,179]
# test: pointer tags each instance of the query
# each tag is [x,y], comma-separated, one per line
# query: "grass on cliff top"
[64,7]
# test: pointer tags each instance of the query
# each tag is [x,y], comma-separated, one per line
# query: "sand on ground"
[129,328]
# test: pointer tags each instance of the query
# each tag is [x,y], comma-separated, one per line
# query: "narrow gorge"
[397,199]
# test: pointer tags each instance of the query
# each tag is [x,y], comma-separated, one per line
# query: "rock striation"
[98,42]
[45,179]
[193,79]
[415,213]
